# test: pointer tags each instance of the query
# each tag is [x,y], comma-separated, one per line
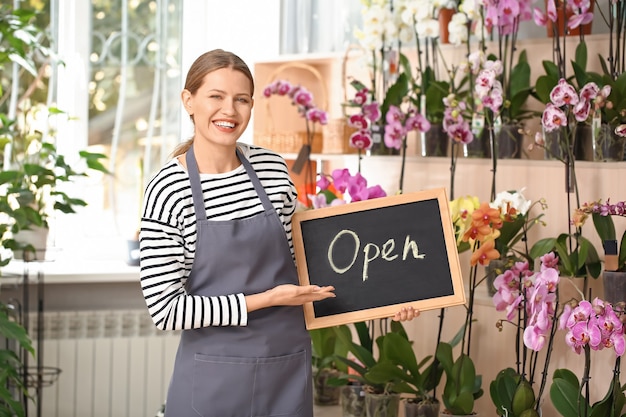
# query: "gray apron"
[264,368]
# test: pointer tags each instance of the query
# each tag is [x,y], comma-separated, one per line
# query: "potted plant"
[614,274]
[594,325]
[33,179]
[463,385]
[408,376]
[379,399]
[530,300]
[325,348]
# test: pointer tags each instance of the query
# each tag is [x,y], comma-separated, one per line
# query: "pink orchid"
[417,122]
[358,121]
[360,98]
[340,179]
[361,139]
[318,200]
[394,134]
[563,94]
[303,97]
[460,132]
[540,18]
[582,110]
[534,338]
[372,111]
[589,91]
[323,183]
[621,130]
[317,116]
[553,118]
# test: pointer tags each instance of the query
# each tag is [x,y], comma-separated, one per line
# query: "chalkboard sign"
[380,255]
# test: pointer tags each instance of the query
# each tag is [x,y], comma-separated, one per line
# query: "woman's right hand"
[289,295]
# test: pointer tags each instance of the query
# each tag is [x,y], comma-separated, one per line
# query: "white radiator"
[112,364]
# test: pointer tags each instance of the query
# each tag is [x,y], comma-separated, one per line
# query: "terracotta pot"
[445,16]
[560,22]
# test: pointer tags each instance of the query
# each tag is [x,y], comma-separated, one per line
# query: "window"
[128,57]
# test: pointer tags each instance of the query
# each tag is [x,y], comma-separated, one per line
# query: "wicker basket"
[285,141]
[337,137]
[337,132]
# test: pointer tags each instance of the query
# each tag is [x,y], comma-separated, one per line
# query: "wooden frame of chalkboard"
[380,255]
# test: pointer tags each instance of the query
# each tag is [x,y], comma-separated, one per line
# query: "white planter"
[38,238]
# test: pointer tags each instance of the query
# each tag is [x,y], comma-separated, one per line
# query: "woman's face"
[222,106]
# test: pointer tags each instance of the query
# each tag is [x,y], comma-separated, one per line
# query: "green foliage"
[582,260]
[545,83]
[401,369]
[518,90]
[567,398]
[326,346]
[605,227]
[365,357]
[11,366]
[462,386]
[31,182]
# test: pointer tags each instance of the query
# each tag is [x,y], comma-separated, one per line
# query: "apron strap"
[196,187]
[267,204]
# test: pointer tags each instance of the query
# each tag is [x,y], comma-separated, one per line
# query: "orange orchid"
[487,215]
[485,253]
[485,221]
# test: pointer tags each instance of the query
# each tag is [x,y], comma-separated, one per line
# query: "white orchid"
[506,199]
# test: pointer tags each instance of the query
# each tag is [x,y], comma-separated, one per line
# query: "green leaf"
[396,93]
[565,396]
[520,77]
[541,247]
[604,226]
[581,56]
[503,388]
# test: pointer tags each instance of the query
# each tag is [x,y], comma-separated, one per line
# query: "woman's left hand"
[406,314]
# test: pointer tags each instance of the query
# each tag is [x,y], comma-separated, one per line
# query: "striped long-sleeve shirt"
[168,235]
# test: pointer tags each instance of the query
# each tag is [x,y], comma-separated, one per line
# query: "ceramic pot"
[414,408]
[352,400]
[381,405]
[614,286]
[324,394]
[435,141]
[37,237]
